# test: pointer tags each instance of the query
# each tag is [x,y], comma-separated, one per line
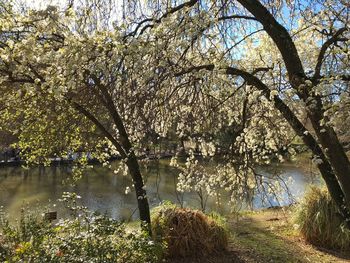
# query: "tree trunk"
[332,148]
[336,165]
[325,167]
[142,201]
[124,147]
[334,189]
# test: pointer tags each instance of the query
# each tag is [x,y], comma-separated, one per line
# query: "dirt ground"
[268,236]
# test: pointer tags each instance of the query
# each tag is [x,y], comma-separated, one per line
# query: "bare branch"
[159,20]
[324,48]
[237,17]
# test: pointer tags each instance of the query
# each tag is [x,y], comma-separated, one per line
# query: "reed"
[319,221]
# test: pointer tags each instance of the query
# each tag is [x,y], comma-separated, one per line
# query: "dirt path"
[268,236]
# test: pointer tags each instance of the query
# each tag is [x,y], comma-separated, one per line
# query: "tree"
[76,86]
[295,53]
[334,165]
[307,58]
[249,65]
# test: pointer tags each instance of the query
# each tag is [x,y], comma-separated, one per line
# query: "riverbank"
[254,237]
[270,236]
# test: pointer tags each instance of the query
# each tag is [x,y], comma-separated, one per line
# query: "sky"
[43,3]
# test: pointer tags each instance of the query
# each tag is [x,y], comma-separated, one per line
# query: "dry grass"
[256,237]
[320,222]
[188,232]
[270,236]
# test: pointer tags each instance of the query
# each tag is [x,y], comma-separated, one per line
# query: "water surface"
[104,191]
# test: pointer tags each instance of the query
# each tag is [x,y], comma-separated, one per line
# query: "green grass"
[320,222]
[264,243]
[271,236]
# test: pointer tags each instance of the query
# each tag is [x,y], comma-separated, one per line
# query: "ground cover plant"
[84,237]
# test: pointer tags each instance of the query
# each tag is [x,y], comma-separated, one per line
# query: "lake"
[104,191]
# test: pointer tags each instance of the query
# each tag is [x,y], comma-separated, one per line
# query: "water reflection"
[104,191]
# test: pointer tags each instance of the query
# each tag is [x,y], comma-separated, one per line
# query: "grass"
[261,236]
[320,222]
[189,233]
[270,236]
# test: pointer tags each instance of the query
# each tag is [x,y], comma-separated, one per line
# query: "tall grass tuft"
[320,222]
[189,233]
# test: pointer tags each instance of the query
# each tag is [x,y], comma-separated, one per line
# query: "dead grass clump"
[188,232]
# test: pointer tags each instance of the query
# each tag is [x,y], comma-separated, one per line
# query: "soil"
[268,236]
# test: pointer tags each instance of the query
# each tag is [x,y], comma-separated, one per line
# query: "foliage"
[195,177]
[258,70]
[189,232]
[319,220]
[85,238]
[209,178]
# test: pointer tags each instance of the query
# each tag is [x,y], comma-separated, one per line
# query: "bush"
[188,232]
[320,222]
[86,238]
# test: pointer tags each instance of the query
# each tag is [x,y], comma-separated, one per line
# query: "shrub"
[320,222]
[87,237]
[188,232]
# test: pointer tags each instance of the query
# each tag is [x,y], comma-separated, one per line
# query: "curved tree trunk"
[334,151]
[124,147]
[325,166]
[336,165]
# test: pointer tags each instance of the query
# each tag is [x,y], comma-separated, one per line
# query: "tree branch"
[109,104]
[237,17]
[159,20]
[282,39]
[324,48]
[100,126]
[299,128]
[288,114]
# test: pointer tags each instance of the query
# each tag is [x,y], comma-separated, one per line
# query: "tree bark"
[141,196]
[338,164]
[134,169]
[333,150]
[128,154]
[124,147]
[324,166]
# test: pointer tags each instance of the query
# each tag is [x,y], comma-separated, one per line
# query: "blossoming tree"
[295,54]
[257,70]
